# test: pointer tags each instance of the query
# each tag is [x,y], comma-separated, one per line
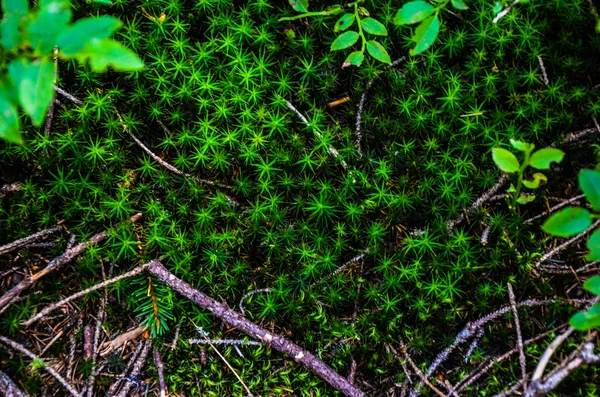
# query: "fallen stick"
[513,306]
[55,264]
[26,240]
[137,369]
[161,372]
[236,320]
[21,349]
[8,388]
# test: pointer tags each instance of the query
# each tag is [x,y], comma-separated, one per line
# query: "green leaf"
[35,88]
[584,321]
[497,7]
[373,26]
[9,30]
[345,40]
[568,222]
[9,120]
[364,12]
[459,5]
[425,35]
[413,12]
[103,2]
[589,182]
[299,5]
[592,284]
[355,58]
[505,160]
[53,17]
[72,40]
[522,146]
[377,51]
[594,247]
[344,22]
[525,199]
[538,177]
[542,158]
[15,6]
[103,53]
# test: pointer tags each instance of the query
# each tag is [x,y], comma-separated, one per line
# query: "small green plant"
[30,39]
[539,160]
[364,23]
[428,16]
[574,220]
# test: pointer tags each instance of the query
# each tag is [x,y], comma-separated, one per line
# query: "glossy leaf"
[459,5]
[413,12]
[505,160]
[373,26]
[48,23]
[376,50]
[522,146]
[593,245]
[9,120]
[425,35]
[299,5]
[345,40]
[344,22]
[15,6]
[592,284]
[568,222]
[584,321]
[34,84]
[355,58]
[103,53]
[542,158]
[589,182]
[538,178]
[72,40]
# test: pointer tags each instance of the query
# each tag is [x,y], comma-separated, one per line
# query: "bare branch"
[27,240]
[137,368]
[161,372]
[67,95]
[8,388]
[21,349]
[239,322]
[513,306]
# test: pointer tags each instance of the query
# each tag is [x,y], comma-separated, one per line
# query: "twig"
[224,342]
[576,136]
[256,291]
[21,349]
[539,371]
[543,70]
[510,391]
[505,11]
[132,360]
[137,368]
[161,372]
[11,187]
[176,337]
[55,264]
[99,319]
[73,347]
[566,244]
[556,207]
[420,374]
[27,240]
[88,341]
[229,366]
[239,322]
[332,150]
[67,95]
[8,388]
[513,306]
[47,310]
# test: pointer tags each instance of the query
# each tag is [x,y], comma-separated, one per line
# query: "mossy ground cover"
[283,213]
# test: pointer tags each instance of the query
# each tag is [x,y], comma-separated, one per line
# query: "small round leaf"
[594,247]
[522,146]
[459,5]
[538,177]
[425,35]
[355,58]
[505,160]
[542,158]
[377,51]
[592,284]
[344,22]
[584,321]
[568,222]
[299,5]
[413,12]
[373,26]
[344,40]
[589,181]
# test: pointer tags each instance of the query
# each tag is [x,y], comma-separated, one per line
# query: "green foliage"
[584,321]
[540,160]
[30,41]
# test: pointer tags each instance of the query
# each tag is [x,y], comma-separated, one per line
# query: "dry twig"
[161,372]
[28,240]
[8,388]
[513,306]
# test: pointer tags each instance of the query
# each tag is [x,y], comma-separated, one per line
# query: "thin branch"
[332,150]
[132,360]
[27,240]
[513,306]
[541,62]
[8,388]
[55,264]
[576,136]
[420,374]
[161,372]
[224,342]
[505,11]
[556,207]
[137,368]
[99,319]
[47,310]
[67,95]
[254,292]
[239,322]
[21,349]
